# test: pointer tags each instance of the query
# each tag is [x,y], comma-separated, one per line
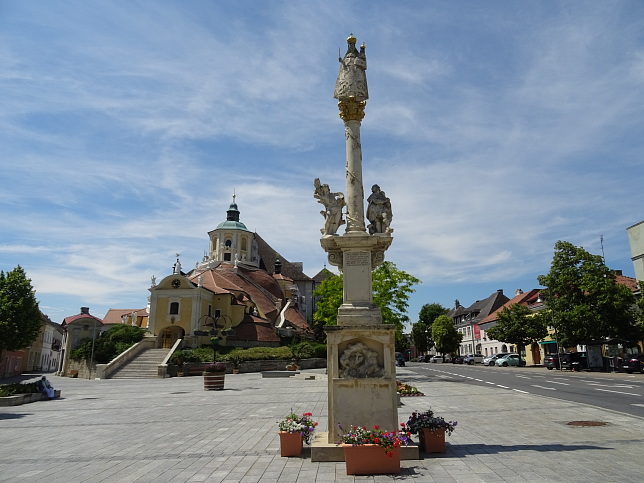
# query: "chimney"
[500,291]
[85,310]
[518,292]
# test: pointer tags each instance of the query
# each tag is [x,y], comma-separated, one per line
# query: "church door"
[169,336]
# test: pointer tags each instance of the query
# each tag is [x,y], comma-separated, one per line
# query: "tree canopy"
[421,331]
[391,290]
[108,344]
[518,325]
[445,335]
[584,300]
[20,317]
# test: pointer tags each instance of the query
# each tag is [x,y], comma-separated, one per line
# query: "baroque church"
[242,291]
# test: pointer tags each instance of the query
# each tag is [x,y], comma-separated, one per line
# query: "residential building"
[466,320]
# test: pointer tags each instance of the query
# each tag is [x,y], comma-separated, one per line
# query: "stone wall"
[80,368]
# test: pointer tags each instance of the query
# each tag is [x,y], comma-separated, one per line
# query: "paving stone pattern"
[171,430]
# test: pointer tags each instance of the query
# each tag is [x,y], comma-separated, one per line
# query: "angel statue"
[333,204]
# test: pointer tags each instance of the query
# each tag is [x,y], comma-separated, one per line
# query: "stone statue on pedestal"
[333,204]
[352,78]
[379,211]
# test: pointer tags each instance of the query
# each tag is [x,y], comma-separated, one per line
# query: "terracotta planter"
[290,444]
[370,459]
[432,441]
[213,381]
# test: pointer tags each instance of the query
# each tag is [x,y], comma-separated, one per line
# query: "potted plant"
[213,376]
[430,430]
[295,430]
[372,451]
[236,359]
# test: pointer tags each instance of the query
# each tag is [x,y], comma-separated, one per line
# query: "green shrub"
[18,388]
[108,344]
[230,353]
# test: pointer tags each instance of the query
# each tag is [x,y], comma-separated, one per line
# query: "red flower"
[376,440]
[375,426]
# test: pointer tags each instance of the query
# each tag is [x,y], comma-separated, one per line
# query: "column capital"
[352,110]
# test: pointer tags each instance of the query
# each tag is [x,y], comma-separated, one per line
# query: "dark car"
[458,359]
[551,361]
[425,358]
[400,359]
[574,361]
[633,362]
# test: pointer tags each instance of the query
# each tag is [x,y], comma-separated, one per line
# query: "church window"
[228,243]
[243,244]
[174,308]
[217,313]
[227,257]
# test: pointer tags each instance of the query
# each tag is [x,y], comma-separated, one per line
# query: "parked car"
[400,359]
[438,358]
[573,361]
[509,360]
[633,362]
[551,361]
[491,360]
[473,359]
[457,359]
[425,358]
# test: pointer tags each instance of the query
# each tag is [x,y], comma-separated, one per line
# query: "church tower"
[232,241]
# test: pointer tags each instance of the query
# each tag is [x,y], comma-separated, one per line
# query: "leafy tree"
[391,289]
[421,331]
[429,312]
[584,300]
[520,326]
[421,334]
[445,335]
[20,317]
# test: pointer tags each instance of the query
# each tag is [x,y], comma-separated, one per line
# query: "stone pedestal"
[362,378]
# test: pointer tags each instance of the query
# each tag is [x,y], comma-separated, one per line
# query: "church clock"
[176,283]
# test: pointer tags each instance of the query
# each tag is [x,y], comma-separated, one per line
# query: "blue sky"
[496,128]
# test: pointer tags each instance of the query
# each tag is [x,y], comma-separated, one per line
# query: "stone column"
[352,112]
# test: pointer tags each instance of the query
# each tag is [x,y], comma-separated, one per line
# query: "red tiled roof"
[255,329]
[73,318]
[113,316]
[630,282]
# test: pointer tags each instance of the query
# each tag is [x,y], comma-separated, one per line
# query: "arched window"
[243,244]
[174,308]
[228,243]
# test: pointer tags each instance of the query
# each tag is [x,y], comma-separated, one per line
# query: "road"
[615,391]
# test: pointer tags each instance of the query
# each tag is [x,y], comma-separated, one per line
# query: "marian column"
[360,348]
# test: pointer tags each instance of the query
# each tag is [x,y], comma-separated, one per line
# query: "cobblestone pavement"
[171,430]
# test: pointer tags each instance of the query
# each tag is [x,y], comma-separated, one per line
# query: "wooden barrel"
[213,381]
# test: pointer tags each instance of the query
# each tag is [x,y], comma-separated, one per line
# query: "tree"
[520,326]
[584,300]
[445,335]
[421,334]
[429,312]
[421,331]
[20,317]
[391,289]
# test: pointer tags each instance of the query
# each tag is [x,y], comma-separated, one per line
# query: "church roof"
[83,315]
[232,225]
[269,256]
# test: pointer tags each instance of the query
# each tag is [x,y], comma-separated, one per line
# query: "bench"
[279,373]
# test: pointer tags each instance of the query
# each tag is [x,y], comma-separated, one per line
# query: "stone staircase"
[143,366]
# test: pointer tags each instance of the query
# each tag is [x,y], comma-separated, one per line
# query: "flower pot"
[370,459]
[290,444]
[213,381]
[235,370]
[432,440]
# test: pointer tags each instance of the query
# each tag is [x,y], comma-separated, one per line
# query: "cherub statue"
[333,204]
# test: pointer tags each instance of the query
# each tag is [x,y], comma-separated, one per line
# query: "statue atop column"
[333,204]
[379,211]
[352,78]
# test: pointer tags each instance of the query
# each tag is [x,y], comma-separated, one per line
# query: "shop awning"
[548,342]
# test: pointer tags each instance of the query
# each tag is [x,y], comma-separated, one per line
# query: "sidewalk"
[171,430]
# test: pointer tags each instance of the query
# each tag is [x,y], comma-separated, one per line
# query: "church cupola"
[231,240]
